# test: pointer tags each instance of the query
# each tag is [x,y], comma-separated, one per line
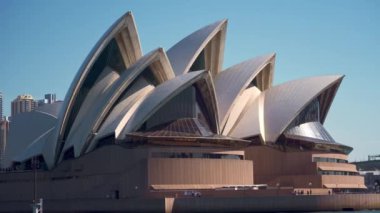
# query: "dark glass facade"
[330,160]
[195,155]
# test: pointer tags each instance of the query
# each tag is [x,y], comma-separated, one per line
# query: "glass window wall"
[195,155]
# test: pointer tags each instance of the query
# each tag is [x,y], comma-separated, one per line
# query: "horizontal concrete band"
[211,204]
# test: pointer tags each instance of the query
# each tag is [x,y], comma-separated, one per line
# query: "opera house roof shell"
[123,94]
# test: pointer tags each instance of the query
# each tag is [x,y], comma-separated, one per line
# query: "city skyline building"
[4,129]
[370,169]
[23,103]
[41,102]
[1,106]
[50,98]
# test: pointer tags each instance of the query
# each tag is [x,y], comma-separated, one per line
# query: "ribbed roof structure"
[119,94]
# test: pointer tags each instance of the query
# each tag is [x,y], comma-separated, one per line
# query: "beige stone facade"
[300,169]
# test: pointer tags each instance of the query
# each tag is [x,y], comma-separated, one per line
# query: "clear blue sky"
[43,43]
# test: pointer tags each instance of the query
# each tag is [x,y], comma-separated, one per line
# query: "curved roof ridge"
[337,76]
[285,101]
[35,148]
[183,54]
[209,94]
[53,109]
[88,127]
[45,113]
[239,76]
[25,129]
[125,26]
[121,113]
[239,110]
[250,120]
[159,96]
[163,73]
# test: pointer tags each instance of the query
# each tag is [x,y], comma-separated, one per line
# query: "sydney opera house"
[166,123]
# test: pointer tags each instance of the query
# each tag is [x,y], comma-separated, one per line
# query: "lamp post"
[278,188]
[310,184]
[36,206]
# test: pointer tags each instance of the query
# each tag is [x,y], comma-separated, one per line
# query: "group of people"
[301,192]
[308,192]
[192,193]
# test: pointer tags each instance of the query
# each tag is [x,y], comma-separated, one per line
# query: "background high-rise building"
[4,129]
[23,103]
[51,98]
[1,106]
